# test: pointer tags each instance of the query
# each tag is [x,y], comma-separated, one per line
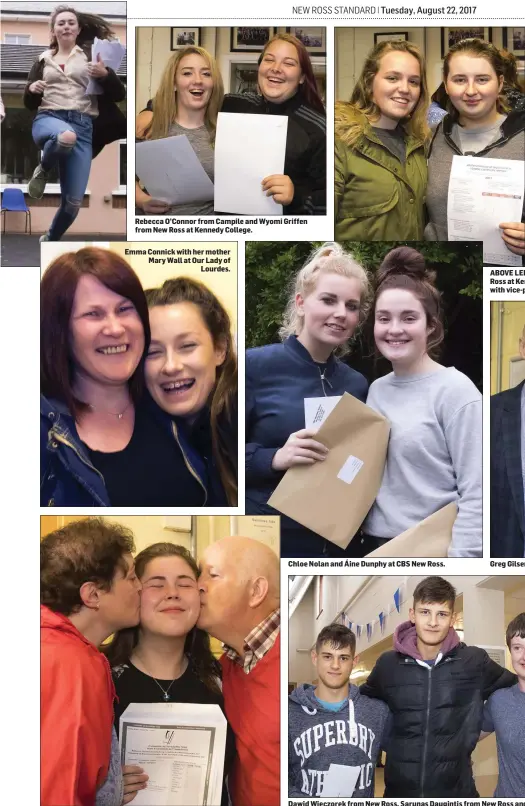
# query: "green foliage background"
[271,267]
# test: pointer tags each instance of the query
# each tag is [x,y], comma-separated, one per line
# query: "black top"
[150,471]
[305,157]
[132,685]
[436,719]
[200,437]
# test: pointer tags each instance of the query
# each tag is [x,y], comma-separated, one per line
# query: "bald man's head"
[239,585]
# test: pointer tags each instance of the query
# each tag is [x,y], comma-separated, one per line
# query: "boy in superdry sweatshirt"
[335,733]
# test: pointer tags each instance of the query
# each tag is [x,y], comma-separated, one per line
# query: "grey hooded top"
[352,736]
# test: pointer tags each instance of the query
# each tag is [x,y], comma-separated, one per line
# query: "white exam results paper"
[482,194]
[171,172]
[248,148]
[180,746]
[111,53]
[317,409]
[339,781]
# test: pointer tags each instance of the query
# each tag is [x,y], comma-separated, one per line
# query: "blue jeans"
[74,164]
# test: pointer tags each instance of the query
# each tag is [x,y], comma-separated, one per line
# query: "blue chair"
[13,201]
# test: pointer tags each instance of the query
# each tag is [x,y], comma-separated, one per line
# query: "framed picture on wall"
[247,38]
[520,67]
[314,39]
[390,36]
[514,40]
[180,37]
[451,36]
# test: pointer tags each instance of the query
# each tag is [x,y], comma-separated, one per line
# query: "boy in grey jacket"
[505,714]
[335,734]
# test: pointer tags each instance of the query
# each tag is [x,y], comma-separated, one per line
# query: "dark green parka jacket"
[377,198]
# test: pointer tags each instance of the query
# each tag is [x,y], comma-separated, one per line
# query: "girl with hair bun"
[435,413]
[329,299]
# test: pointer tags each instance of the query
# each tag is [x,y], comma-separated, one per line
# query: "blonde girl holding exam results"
[187,103]
[434,451]
[328,300]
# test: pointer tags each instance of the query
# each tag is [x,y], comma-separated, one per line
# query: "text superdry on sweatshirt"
[317,738]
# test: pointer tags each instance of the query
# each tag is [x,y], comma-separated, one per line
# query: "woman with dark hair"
[287,87]
[88,590]
[102,444]
[64,127]
[478,124]
[166,658]
[191,373]
[434,452]
[380,135]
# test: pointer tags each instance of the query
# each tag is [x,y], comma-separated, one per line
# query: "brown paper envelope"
[314,496]
[428,538]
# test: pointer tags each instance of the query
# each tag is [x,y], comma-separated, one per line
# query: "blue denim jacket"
[69,478]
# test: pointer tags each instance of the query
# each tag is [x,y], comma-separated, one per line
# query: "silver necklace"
[165,692]
[166,697]
[118,414]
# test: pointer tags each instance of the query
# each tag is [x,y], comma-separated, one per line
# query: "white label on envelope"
[339,781]
[317,409]
[350,469]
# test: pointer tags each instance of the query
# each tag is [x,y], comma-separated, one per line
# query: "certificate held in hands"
[180,746]
[332,497]
[248,148]
[171,172]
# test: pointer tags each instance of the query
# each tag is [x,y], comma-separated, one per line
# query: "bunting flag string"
[394,606]
[397,599]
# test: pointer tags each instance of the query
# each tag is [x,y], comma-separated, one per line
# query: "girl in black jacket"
[287,86]
[191,374]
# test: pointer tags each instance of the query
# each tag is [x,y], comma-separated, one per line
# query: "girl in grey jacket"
[478,124]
